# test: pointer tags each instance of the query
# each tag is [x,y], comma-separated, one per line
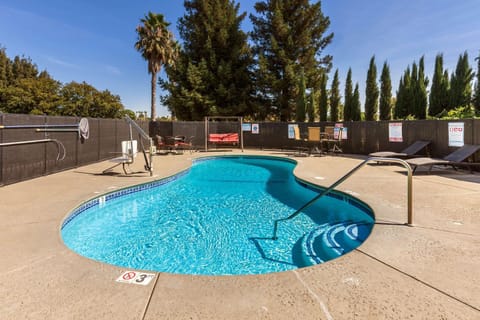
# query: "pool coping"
[398,272]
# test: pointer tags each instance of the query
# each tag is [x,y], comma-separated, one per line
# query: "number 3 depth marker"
[135,278]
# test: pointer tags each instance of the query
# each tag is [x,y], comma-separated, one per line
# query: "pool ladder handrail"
[345,177]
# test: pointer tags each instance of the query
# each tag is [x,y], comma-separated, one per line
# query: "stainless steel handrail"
[60,146]
[336,183]
[143,134]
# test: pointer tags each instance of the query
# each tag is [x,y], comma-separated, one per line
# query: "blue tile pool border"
[120,193]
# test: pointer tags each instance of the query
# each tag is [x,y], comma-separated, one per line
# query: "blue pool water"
[217,219]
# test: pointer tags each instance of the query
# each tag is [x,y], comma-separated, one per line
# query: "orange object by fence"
[223,138]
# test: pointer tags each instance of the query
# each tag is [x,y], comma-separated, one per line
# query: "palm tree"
[156,44]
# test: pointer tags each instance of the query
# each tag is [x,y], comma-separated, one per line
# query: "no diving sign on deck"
[134,277]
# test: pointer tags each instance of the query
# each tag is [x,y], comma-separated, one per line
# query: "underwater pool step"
[329,241]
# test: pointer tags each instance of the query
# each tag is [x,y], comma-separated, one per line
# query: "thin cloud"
[113,70]
[62,63]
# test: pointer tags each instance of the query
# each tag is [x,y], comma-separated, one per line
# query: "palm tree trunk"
[153,113]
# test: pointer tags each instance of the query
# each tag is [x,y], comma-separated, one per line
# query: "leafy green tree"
[5,69]
[438,100]
[84,100]
[347,108]
[335,98]
[356,104]
[461,83]
[371,92]
[288,35]
[323,105]
[311,106]
[25,90]
[212,75]
[157,46]
[32,96]
[385,104]
[77,99]
[301,99]
[476,102]
[107,105]
[23,68]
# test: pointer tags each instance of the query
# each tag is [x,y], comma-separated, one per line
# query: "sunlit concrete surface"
[427,271]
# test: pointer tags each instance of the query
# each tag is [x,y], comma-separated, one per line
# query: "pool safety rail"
[345,177]
[144,135]
[60,147]
[82,128]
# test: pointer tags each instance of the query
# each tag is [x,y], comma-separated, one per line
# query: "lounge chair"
[129,152]
[454,159]
[408,152]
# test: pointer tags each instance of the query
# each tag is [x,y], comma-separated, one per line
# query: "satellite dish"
[83,128]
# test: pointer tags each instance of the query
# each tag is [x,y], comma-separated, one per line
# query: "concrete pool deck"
[428,271]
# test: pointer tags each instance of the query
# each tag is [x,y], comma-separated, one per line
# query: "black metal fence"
[22,162]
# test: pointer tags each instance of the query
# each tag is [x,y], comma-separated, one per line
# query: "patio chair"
[129,152]
[182,143]
[302,150]
[454,159]
[332,139]
[314,140]
[408,152]
[167,144]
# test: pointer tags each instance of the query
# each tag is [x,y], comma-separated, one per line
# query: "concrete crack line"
[315,296]
[34,262]
[420,281]
[144,313]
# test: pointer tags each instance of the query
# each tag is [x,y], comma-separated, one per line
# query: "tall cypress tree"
[461,83]
[347,107]
[404,97]
[412,90]
[439,90]
[212,74]
[476,102]
[300,113]
[385,93]
[419,92]
[288,35]
[335,97]
[399,102]
[356,104]
[311,106]
[323,105]
[371,92]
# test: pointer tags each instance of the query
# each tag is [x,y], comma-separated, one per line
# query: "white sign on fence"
[395,132]
[255,128]
[456,134]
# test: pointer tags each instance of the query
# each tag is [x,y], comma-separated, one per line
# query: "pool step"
[329,241]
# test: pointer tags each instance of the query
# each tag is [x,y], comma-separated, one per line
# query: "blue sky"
[93,41]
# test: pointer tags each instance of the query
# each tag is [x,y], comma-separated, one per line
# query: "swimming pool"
[217,219]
